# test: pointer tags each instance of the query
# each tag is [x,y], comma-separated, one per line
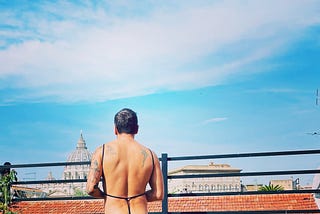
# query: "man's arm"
[156,183]
[94,175]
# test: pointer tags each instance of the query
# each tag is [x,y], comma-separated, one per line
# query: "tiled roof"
[180,204]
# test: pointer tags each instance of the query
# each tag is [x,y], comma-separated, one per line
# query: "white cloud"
[109,57]
[274,90]
[214,120]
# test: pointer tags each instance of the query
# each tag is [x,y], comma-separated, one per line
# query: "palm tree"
[270,188]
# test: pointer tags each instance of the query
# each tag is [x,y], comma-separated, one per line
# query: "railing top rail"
[243,155]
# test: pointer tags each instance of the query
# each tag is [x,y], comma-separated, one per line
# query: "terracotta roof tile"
[180,204]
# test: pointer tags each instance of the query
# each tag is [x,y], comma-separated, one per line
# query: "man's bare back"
[127,168]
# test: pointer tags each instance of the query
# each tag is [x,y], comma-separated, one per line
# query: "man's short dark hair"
[126,121]
[5,170]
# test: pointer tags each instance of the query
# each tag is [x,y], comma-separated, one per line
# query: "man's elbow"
[159,195]
[89,190]
[154,195]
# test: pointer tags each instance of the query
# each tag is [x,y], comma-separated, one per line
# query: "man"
[126,167]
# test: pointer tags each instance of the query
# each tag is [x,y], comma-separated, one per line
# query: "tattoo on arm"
[144,153]
[96,170]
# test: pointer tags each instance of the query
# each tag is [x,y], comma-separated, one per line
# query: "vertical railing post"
[164,163]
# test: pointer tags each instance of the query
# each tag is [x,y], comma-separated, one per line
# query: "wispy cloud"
[72,52]
[214,120]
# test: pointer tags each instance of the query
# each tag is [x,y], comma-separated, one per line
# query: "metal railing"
[164,164]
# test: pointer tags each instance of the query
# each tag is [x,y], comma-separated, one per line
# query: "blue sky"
[205,77]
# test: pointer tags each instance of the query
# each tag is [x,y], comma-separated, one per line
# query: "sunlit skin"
[127,167]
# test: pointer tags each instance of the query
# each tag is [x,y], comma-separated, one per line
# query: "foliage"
[5,195]
[78,192]
[270,188]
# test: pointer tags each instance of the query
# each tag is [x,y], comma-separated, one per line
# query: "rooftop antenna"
[317,103]
[317,97]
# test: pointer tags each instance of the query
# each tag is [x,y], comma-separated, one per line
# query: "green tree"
[5,195]
[270,188]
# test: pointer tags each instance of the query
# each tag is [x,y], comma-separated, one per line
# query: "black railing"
[164,164]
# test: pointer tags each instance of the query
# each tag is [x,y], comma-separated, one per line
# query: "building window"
[230,187]
[194,187]
[224,187]
[200,187]
[237,187]
[219,187]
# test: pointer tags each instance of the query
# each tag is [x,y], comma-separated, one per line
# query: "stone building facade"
[202,185]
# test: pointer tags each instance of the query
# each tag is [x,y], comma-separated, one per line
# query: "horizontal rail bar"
[54,198]
[246,174]
[45,164]
[49,181]
[243,174]
[243,155]
[244,193]
[181,195]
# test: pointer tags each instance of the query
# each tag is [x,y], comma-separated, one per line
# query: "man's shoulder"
[99,149]
[107,144]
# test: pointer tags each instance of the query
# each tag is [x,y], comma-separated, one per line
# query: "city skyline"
[208,77]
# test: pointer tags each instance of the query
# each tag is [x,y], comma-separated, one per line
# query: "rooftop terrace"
[284,201]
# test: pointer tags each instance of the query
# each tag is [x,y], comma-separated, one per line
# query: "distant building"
[252,187]
[198,185]
[27,192]
[316,185]
[286,184]
[81,154]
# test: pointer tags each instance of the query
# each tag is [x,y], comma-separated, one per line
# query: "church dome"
[81,153]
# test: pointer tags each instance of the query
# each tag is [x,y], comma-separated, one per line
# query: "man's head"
[126,121]
[6,170]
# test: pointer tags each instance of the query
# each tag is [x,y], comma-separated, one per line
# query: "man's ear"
[136,131]
[116,130]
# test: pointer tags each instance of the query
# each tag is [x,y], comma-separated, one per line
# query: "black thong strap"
[127,199]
